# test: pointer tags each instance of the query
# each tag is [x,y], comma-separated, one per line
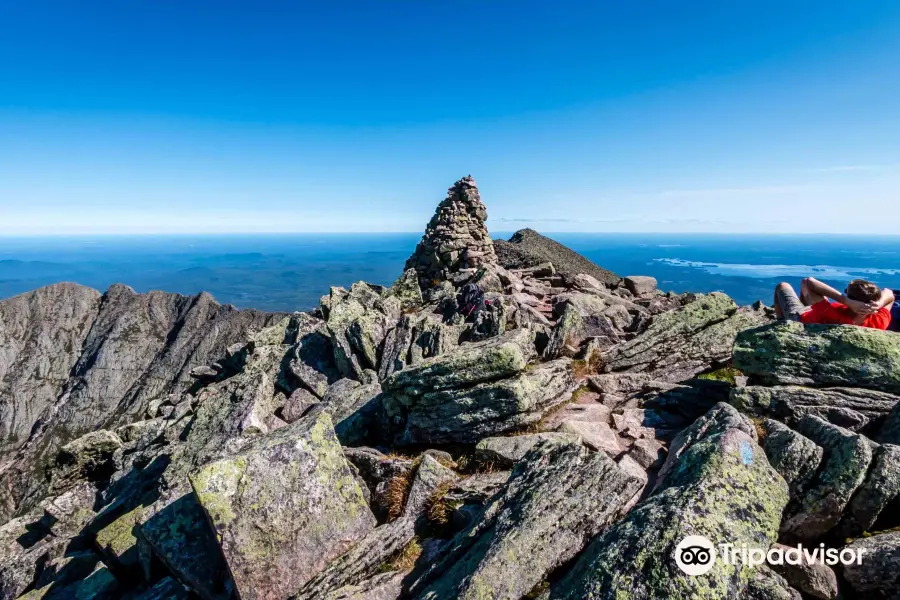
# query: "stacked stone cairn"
[456,239]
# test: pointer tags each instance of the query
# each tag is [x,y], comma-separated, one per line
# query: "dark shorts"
[791,305]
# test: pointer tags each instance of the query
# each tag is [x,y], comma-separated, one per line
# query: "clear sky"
[702,115]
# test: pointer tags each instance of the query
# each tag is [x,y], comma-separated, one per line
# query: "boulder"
[766,584]
[558,498]
[618,316]
[352,407]
[284,507]
[90,457]
[430,475]
[851,408]
[312,361]
[723,489]
[719,419]
[820,355]
[795,457]
[877,575]
[299,402]
[358,322]
[180,536]
[362,562]
[640,285]
[406,289]
[597,436]
[469,414]
[384,586]
[816,579]
[573,329]
[890,431]
[505,452]
[682,343]
[846,459]
[585,304]
[880,488]
[649,454]
[417,337]
[469,364]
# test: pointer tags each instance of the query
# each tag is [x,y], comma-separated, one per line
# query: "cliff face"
[73,361]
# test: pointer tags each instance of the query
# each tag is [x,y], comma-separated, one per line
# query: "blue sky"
[167,117]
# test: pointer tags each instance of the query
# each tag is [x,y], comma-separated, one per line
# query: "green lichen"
[215,484]
[726,374]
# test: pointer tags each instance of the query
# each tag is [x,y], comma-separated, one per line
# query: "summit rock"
[456,238]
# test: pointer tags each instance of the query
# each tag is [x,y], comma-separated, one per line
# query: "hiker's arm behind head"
[815,291]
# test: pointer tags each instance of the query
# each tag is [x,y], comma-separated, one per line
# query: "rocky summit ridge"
[557,443]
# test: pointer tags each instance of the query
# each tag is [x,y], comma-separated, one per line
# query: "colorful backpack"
[470,299]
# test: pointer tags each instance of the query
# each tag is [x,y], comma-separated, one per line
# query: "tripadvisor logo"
[696,555]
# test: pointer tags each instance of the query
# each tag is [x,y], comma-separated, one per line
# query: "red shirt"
[826,313]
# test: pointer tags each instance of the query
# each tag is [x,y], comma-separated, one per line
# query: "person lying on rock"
[863,304]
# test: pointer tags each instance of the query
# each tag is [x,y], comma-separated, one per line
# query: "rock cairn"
[456,238]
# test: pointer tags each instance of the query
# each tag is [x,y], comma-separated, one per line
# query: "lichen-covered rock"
[385,586]
[467,365]
[456,238]
[877,576]
[362,562]
[297,404]
[573,328]
[816,579]
[827,355]
[846,459]
[890,431]
[90,457]
[766,584]
[684,342]
[22,556]
[558,498]
[416,337]
[358,321]
[407,290]
[312,361]
[180,536]
[352,407]
[429,476]
[880,488]
[505,452]
[469,414]
[229,414]
[795,457]
[377,470]
[585,304]
[719,419]
[851,408]
[284,507]
[722,488]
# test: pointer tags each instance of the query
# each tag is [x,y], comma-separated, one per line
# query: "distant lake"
[290,272]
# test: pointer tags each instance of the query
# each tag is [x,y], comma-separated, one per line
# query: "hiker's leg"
[787,303]
[809,297]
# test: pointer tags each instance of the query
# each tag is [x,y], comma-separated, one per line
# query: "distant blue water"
[291,272]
